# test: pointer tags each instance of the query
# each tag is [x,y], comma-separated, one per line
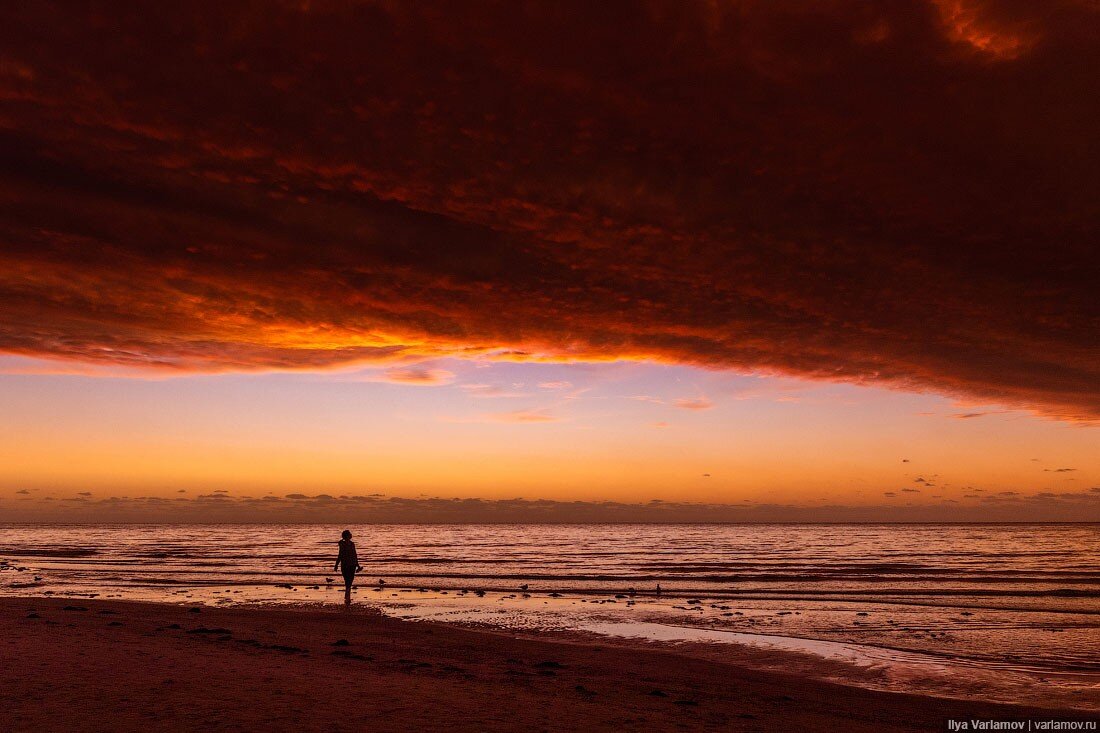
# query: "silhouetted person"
[347,563]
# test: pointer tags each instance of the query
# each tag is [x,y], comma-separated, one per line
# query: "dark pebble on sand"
[550,665]
[74,608]
[173,626]
[33,615]
[341,642]
[658,693]
[194,610]
[747,716]
[285,648]
[115,623]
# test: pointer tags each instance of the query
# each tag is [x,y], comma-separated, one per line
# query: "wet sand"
[112,665]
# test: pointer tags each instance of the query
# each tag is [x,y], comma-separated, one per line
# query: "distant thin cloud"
[524,416]
[972,415]
[491,390]
[698,403]
[415,376]
[555,385]
[520,417]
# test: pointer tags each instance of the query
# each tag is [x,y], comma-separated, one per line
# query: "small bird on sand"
[524,586]
[658,589]
[381,582]
[328,580]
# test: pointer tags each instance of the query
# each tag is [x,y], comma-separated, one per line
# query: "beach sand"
[119,666]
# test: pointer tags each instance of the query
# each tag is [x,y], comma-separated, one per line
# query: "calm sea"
[1014,599]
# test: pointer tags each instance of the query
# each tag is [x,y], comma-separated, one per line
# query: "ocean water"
[998,611]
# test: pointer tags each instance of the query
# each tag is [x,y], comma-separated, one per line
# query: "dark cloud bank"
[1006,506]
[900,193]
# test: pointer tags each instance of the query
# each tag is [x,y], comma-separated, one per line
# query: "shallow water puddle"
[857,654]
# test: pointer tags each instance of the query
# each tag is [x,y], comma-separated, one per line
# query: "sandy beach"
[110,665]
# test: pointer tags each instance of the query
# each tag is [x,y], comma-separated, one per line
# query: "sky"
[566,262]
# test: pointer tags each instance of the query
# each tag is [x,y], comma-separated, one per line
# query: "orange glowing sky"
[743,260]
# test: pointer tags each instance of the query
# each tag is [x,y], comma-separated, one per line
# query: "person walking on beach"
[347,562]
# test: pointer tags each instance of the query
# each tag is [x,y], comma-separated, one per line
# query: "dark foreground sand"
[114,666]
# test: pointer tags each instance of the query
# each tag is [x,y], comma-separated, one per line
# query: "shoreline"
[141,664]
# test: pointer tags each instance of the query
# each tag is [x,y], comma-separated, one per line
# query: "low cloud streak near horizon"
[376,508]
[902,195]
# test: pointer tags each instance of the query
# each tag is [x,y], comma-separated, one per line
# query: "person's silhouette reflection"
[347,562]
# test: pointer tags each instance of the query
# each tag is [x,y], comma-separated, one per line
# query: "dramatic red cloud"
[903,194]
